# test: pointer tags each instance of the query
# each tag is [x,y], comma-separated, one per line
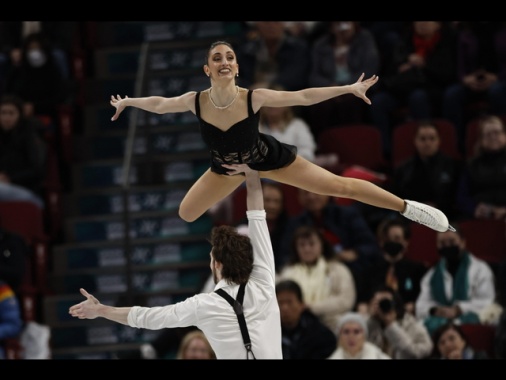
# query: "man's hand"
[360,87]
[235,169]
[117,103]
[87,309]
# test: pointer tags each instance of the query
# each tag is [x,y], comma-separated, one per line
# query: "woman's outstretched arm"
[309,96]
[155,104]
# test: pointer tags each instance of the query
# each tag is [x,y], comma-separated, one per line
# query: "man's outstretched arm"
[91,308]
[254,197]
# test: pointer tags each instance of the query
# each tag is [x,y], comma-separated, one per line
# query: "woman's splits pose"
[229,117]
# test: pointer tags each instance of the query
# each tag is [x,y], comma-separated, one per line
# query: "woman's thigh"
[209,189]
[309,176]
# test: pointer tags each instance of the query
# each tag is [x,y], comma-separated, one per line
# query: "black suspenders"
[237,306]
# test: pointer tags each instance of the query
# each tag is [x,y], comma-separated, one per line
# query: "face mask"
[36,57]
[450,253]
[392,248]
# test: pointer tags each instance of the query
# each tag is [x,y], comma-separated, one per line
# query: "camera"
[386,305]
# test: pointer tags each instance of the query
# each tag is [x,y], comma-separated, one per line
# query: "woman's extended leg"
[311,177]
[209,189]
[308,176]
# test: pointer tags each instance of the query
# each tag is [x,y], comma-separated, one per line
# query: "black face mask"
[392,248]
[450,253]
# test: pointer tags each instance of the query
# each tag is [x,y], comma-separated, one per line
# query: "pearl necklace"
[228,105]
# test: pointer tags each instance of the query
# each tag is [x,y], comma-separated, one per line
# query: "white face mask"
[36,57]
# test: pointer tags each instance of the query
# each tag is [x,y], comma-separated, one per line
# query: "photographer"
[396,332]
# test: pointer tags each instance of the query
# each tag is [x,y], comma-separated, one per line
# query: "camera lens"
[386,305]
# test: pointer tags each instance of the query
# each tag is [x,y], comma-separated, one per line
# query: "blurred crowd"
[354,282]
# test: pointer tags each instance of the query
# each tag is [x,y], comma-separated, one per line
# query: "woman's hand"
[360,87]
[117,103]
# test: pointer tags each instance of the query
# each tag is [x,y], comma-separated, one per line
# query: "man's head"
[273,200]
[492,134]
[231,255]
[291,303]
[427,139]
[450,244]
[393,237]
[11,111]
[312,202]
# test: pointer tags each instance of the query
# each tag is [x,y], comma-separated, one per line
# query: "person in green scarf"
[457,287]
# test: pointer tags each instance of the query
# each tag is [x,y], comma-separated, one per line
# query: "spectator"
[60,35]
[270,54]
[11,323]
[482,190]
[457,288]
[388,35]
[398,333]
[343,226]
[195,346]
[393,268]
[310,30]
[304,336]
[277,217]
[481,70]
[450,342]
[327,284]
[344,52]
[352,338]
[22,155]
[429,176]
[284,124]
[423,66]
[37,79]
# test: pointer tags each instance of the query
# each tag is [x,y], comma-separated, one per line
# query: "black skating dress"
[242,143]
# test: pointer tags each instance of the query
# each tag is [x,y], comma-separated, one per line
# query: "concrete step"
[145,253]
[142,225]
[146,143]
[155,170]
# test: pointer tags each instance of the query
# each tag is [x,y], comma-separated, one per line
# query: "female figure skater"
[228,116]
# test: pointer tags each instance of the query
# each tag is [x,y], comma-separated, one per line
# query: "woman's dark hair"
[234,251]
[290,286]
[217,43]
[436,335]
[304,232]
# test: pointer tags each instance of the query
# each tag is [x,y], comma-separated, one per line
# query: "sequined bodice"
[241,143]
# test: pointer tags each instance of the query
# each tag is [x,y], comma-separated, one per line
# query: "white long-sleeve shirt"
[216,318]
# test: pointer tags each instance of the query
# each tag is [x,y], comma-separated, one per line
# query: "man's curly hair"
[234,251]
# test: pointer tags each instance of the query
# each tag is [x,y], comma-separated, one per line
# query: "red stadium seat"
[357,144]
[480,337]
[486,239]
[422,245]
